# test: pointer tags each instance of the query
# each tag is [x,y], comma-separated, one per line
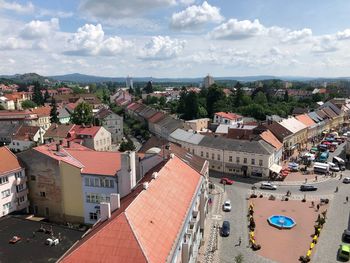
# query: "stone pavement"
[331,235]
[280,196]
[320,179]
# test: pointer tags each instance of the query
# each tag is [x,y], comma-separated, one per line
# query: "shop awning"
[275,168]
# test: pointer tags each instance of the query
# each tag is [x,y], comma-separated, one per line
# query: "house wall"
[11,198]
[197,125]
[127,173]
[72,193]
[103,192]
[114,124]
[21,145]
[101,141]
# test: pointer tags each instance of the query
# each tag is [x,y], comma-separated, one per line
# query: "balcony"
[21,180]
[21,193]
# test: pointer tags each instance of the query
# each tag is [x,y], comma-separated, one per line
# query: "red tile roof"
[228,115]
[26,132]
[147,224]
[271,139]
[157,117]
[91,131]
[8,161]
[42,111]
[134,106]
[58,130]
[305,119]
[101,163]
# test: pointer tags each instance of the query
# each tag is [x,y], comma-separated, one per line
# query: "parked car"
[227,206]
[305,187]
[333,167]
[226,181]
[344,252]
[268,186]
[15,239]
[346,180]
[225,229]
[346,236]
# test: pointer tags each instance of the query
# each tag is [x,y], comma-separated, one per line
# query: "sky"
[176,38]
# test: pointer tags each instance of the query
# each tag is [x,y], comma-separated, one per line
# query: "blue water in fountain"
[282,221]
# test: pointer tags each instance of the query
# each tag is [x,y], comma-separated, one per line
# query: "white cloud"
[325,44]
[187,2]
[13,43]
[162,47]
[90,40]
[297,35]
[16,7]
[234,29]
[54,13]
[343,35]
[115,9]
[196,16]
[11,61]
[37,29]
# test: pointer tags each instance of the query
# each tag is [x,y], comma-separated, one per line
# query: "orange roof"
[102,163]
[80,130]
[157,117]
[271,139]
[305,119]
[228,115]
[149,227]
[42,111]
[9,161]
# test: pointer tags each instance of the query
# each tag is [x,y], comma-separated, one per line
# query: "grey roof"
[185,136]
[147,112]
[313,115]
[258,147]
[170,124]
[63,113]
[332,106]
[8,130]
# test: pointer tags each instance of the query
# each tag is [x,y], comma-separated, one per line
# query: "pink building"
[13,187]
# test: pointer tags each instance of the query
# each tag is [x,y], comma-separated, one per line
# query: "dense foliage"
[82,114]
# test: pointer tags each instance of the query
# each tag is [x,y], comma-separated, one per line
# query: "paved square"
[284,246]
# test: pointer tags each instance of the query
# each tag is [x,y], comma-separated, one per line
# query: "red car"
[226,181]
[14,239]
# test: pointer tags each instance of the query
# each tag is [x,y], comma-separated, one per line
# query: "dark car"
[308,188]
[225,229]
[346,236]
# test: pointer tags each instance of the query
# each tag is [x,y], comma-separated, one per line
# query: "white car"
[346,180]
[227,206]
[268,186]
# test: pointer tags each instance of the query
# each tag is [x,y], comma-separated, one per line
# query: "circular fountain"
[281,221]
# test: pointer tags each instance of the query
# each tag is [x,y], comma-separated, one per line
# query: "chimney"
[154,175]
[145,185]
[58,147]
[115,201]
[172,156]
[105,209]
[68,144]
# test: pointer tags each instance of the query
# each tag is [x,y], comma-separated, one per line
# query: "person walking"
[312,204]
[341,175]
[305,180]
[316,178]
[336,189]
[318,207]
[239,241]
[347,199]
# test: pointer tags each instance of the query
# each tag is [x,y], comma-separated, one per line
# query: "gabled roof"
[134,106]
[90,131]
[305,119]
[63,113]
[170,124]
[59,130]
[147,113]
[228,115]
[330,112]
[26,132]
[271,139]
[97,162]
[103,113]
[8,130]
[292,124]
[322,114]
[185,136]
[279,131]
[313,115]
[147,225]
[42,111]
[157,117]
[8,161]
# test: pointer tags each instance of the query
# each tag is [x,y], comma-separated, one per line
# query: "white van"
[333,167]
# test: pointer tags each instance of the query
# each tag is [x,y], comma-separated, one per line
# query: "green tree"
[191,106]
[162,101]
[127,146]
[215,93]
[202,112]
[28,104]
[148,88]
[239,95]
[286,96]
[82,114]
[260,98]
[46,95]
[53,111]
[37,95]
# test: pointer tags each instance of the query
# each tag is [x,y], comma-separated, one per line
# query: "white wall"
[127,174]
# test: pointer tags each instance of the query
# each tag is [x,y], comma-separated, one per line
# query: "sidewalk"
[320,179]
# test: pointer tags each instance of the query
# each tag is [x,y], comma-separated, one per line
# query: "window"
[218,157]
[93,216]
[87,182]
[97,182]
[245,160]
[6,206]
[260,162]
[213,156]
[201,153]
[18,175]
[20,187]
[32,177]
[237,160]
[6,193]
[207,155]
[4,180]
[230,159]
[42,194]
[253,161]
[21,199]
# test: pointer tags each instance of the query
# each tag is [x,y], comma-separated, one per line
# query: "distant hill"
[27,78]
